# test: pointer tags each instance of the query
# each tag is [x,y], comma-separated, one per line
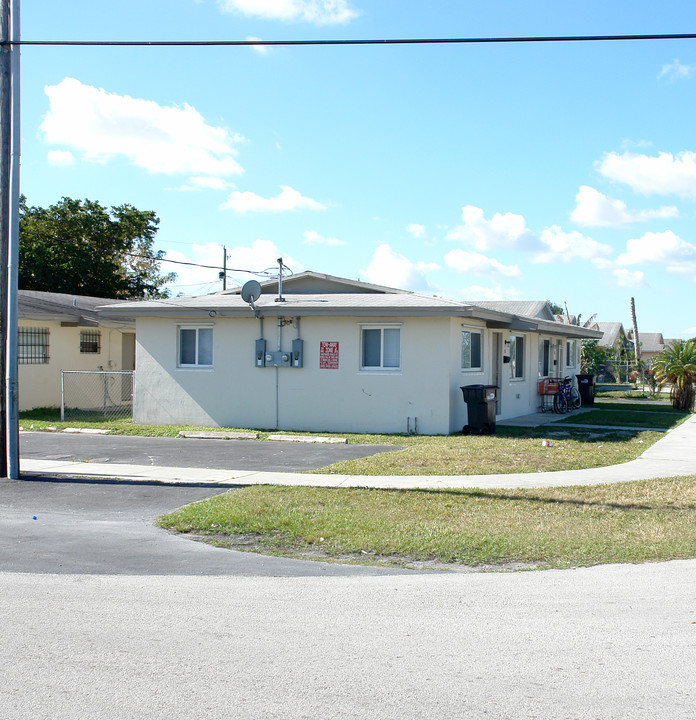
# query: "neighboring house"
[613,336]
[58,332]
[651,345]
[338,355]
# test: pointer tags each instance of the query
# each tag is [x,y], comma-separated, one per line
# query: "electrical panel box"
[260,354]
[297,353]
[278,358]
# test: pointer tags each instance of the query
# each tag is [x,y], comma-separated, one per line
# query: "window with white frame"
[571,352]
[516,357]
[90,341]
[381,348]
[195,346]
[472,350]
[32,346]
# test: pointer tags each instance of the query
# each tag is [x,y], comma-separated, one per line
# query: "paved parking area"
[246,455]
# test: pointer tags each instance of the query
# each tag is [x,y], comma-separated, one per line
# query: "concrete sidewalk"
[673,455]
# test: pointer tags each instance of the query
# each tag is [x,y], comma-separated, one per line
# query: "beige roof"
[312,283]
[612,332]
[528,308]
[66,308]
[361,304]
[651,342]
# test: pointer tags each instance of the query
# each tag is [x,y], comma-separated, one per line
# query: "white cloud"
[260,255]
[472,293]
[676,71]
[663,248]
[418,231]
[665,174]
[629,279]
[60,158]
[501,231]
[159,139]
[289,199]
[261,49]
[594,209]
[478,264]
[312,237]
[394,270]
[318,12]
[196,184]
[565,247]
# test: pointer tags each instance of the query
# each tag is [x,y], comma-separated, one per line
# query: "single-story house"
[59,331]
[651,345]
[613,336]
[332,354]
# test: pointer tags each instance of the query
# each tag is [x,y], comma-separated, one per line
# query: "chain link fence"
[96,394]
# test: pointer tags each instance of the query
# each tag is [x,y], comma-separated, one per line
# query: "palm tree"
[676,364]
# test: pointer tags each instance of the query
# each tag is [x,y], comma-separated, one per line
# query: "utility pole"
[224,268]
[9,236]
[5,159]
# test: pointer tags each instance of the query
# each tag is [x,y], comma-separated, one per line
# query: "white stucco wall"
[39,384]
[424,393]
[235,393]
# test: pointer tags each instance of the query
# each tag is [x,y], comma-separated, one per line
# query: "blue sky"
[537,171]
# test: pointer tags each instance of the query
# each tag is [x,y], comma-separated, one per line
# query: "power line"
[382,41]
[136,256]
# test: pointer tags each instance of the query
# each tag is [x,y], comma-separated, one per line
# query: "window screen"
[32,346]
[381,348]
[471,350]
[90,341]
[196,346]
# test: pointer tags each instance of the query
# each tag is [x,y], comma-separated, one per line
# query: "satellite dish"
[251,291]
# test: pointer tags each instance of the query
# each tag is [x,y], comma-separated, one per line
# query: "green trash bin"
[480,404]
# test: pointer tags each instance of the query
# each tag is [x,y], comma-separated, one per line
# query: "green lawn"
[487,529]
[628,418]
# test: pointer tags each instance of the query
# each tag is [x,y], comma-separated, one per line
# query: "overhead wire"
[356,41]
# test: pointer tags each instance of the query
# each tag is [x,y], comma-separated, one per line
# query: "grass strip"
[633,522]
[627,418]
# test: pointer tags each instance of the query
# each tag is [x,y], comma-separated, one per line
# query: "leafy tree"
[676,364]
[593,358]
[556,309]
[78,246]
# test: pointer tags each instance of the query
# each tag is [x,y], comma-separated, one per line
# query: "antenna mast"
[280,297]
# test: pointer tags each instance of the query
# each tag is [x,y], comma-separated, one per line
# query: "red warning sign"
[328,355]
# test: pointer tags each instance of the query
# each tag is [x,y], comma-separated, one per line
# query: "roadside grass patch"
[510,450]
[628,418]
[643,521]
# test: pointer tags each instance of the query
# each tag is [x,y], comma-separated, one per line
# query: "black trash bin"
[586,385]
[480,404]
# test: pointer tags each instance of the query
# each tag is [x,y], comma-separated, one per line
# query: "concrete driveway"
[606,643]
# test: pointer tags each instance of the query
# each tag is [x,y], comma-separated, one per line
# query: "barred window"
[90,341]
[32,347]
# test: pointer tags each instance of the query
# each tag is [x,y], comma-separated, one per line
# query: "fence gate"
[96,394]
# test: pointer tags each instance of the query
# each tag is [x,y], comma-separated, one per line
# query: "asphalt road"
[106,527]
[272,456]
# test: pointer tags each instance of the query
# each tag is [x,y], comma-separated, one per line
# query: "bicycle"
[567,398]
